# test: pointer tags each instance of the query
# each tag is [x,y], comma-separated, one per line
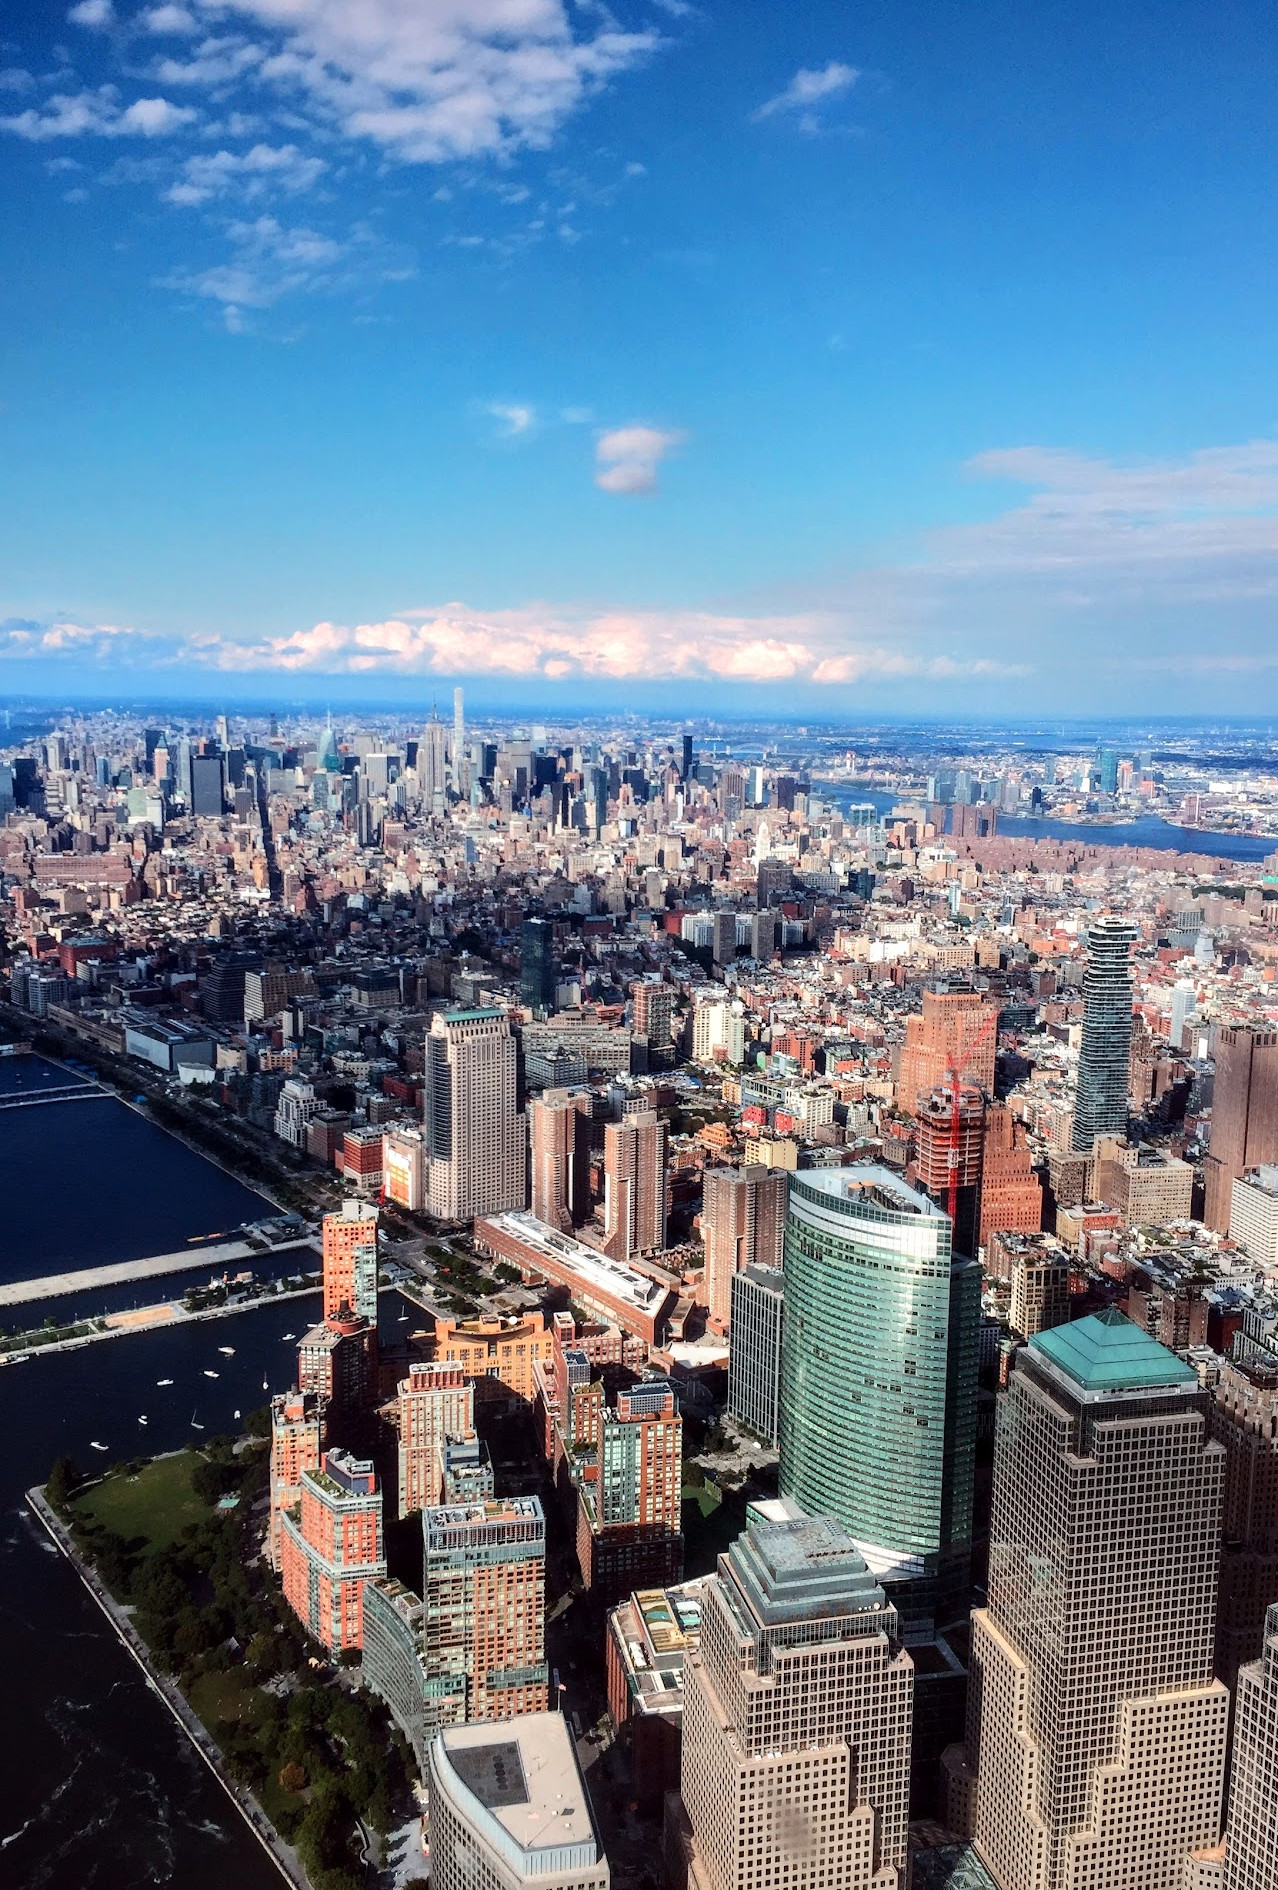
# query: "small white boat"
[266,1384]
[95,1445]
[235,1414]
[288,1336]
[227,1351]
[209,1374]
[141,1420]
[164,1381]
[195,1423]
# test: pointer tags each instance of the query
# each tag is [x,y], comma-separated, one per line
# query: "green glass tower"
[878,1382]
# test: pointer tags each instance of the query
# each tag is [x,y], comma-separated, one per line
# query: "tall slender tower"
[457,758]
[635,1186]
[1100,1107]
[559,1160]
[474,1125]
[350,1262]
[879,1362]
[432,764]
[1251,1852]
[1096,1729]
[797,1710]
[742,1224]
[1244,1114]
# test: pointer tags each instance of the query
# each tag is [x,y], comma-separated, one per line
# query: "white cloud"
[268,262]
[808,89]
[627,458]
[170,19]
[248,174]
[514,421]
[95,13]
[98,114]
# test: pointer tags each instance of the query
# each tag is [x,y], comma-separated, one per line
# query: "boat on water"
[141,1420]
[95,1445]
[195,1423]
[235,1413]
[227,1351]
[209,1374]
[288,1336]
[164,1381]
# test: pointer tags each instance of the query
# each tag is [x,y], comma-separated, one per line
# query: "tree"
[293,1777]
[65,1479]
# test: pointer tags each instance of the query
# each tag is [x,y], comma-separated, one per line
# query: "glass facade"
[1100,1106]
[878,1380]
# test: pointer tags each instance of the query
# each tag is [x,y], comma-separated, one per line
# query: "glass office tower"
[878,1382]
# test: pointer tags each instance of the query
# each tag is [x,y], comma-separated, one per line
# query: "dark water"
[1147,832]
[100,1184]
[102,1791]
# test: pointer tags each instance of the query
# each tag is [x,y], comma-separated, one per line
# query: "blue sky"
[884,357]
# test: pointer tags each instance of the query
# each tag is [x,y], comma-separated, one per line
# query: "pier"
[217,1257]
[70,1092]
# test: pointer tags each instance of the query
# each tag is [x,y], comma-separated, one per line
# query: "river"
[101,1789]
[1149,831]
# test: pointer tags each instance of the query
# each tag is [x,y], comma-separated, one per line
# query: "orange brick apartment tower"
[635,1188]
[629,1522]
[297,1431]
[1244,1114]
[330,1546]
[350,1262]
[559,1160]
[435,1401]
[484,1589]
[954,1028]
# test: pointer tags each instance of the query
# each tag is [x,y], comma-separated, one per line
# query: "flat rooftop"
[868,1184]
[524,1772]
[593,1268]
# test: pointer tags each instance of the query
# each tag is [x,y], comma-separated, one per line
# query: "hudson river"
[101,1789]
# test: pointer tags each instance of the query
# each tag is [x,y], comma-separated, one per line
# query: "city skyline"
[801,363]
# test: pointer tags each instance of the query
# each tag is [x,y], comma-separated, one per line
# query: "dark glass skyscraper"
[537,974]
[878,1381]
[1101,1104]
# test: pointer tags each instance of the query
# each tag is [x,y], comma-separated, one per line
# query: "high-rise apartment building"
[629,1516]
[537,976]
[878,1381]
[1253,1214]
[654,1006]
[509,1809]
[1011,1192]
[1040,1286]
[457,755]
[474,1127]
[330,1546]
[350,1262]
[484,1589]
[949,1141]
[754,1361]
[1244,1420]
[404,1166]
[955,1031]
[434,1402]
[559,1160]
[1096,1730]
[742,1224]
[1251,1842]
[635,1185]
[1100,1106]
[1244,1114]
[797,1717]
[297,1437]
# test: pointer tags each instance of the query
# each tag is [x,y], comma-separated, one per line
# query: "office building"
[208,785]
[1251,1843]
[1244,1114]
[350,1262]
[404,1167]
[797,1717]
[879,1364]
[432,764]
[475,1134]
[1244,1421]
[457,758]
[638,1302]
[509,1809]
[1095,1749]
[297,1437]
[484,1590]
[754,1360]
[1100,1106]
[629,1519]
[330,1546]
[956,1033]
[559,1160]
[435,1402]
[648,1639]
[742,1224]
[1253,1214]
[635,1185]
[537,979]
[1148,1186]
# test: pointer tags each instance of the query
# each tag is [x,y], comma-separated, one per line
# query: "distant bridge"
[64,1092]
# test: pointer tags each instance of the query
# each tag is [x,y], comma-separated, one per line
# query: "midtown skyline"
[835,364]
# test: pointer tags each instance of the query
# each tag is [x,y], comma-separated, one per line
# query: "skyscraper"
[797,1717]
[208,784]
[1251,1845]
[509,1809]
[559,1160]
[350,1262]
[1244,1420]
[297,1436]
[754,1362]
[1100,1107]
[436,1401]
[1095,1728]
[460,767]
[475,1131]
[484,1589]
[1244,1113]
[330,1546]
[955,1030]
[629,1519]
[635,1185]
[878,1381]
[949,1142]
[742,1224]
[537,966]
[432,764]
[653,1001]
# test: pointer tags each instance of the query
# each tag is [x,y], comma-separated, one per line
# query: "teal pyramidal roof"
[1106,1352]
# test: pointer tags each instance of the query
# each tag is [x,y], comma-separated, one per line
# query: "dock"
[215,1258]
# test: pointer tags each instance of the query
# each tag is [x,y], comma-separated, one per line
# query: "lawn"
[156,1504]
[225,1699]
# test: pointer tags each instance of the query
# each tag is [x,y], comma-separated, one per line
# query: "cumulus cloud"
[169,19]
[627,458]
[268,262]
[808,89]
[98,114]
[512,420]
[250,174]
[93,13]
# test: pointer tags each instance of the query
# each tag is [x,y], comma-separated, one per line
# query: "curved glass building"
[1100,1107]
[878,1381]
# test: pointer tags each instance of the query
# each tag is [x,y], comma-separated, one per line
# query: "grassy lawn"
[225,1699]
[156,1504]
